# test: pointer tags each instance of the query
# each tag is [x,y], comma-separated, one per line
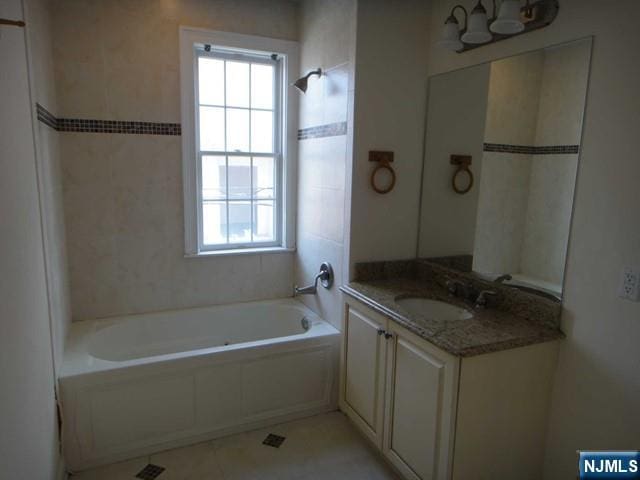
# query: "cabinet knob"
[381,331]
[388,335]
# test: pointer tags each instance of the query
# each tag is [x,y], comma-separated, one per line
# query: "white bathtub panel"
[129,418]
[286,382]
[219,395]
[133,413]
[118,405]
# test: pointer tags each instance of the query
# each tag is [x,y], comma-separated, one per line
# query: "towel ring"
[389,168]
[462,162]
[462,169]
[384,160]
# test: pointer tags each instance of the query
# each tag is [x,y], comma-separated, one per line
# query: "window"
[235,163]
[238,149]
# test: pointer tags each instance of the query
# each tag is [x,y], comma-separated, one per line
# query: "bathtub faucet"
[326,280]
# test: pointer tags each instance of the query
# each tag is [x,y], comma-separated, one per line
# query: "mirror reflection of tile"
[520,118]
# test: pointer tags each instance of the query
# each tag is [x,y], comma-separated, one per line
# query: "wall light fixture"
[513,18]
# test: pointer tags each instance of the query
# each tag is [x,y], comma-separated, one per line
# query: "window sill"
[239,251]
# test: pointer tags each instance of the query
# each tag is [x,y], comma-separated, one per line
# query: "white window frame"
[190,38]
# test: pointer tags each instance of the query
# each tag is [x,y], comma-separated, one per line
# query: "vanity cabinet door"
[419,406]
[363,364]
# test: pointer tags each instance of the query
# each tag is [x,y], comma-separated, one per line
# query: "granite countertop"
[490,329]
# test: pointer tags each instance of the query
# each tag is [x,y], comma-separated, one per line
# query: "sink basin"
[433,309]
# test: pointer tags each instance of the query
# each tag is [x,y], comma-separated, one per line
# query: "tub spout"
[326,280]
[308,290]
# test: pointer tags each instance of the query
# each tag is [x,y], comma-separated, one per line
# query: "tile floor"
[321,447]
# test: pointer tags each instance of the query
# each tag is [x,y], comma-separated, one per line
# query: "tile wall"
[324,149]
[118,112]
[530,160]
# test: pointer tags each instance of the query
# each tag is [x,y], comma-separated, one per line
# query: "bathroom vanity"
[460,397]
[448,359]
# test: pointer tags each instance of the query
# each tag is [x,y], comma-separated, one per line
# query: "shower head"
[302,83]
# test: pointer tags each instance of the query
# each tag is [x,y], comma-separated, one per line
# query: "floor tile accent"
[273,440]
[150,472]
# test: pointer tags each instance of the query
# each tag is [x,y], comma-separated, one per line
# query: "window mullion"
[250,159]
[239,108]
[277,150]
[199,214]
[251,203]
[226,158]
[226,202]
[236,154]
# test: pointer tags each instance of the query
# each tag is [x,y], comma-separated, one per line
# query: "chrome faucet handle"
[454,286]
[326,275]
[481,301]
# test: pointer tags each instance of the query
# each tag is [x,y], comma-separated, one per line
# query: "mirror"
[511,130]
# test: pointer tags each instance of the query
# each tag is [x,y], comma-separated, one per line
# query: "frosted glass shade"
[477,31]
[508,21]
[450,37]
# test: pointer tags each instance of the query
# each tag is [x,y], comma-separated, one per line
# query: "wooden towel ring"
[389,168]
[384,160]
[463,162]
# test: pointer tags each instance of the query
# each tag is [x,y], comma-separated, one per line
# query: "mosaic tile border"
[46,117]
[116,126]
[532,150]
[321,131]
[153,128]
[106,126]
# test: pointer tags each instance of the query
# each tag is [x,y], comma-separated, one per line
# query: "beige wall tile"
[76,32]
[514,93]
[327,32]
[81,90]
[118,60]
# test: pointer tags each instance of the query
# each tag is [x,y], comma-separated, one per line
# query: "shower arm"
[317,71]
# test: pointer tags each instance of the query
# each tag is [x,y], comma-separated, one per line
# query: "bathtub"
[138,384]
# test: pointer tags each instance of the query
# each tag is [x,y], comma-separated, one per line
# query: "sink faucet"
[455,287]
[481,301]
[326,279]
